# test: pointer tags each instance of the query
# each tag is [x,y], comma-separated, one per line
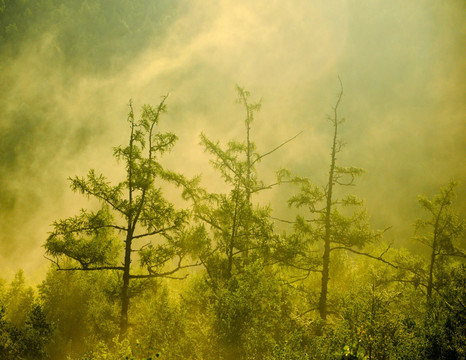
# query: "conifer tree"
[439,232]
[132,210]
[330,224]
[235,230]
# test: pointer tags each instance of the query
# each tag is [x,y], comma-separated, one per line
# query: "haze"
[63,105]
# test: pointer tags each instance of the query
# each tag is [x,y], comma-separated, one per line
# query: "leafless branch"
[166,274]
[93,268]
[282,220]
[53,261]
[154,232]
[276,148]
[379,258]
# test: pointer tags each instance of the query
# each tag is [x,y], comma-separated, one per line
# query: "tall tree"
[132,210]
[330,224]
[234,227]
[440,231]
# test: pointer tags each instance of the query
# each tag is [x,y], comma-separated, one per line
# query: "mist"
[401,65]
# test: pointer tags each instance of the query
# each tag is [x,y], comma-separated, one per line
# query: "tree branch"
[379,258]
[276,148]
[166,274]
[81,229]
[154,232]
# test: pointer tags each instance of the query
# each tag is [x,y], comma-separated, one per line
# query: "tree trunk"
[437,233]
[231,246]
[125,287]
[325,279]
[431,270]
[328,212]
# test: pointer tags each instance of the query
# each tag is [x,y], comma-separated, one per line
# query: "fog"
[401,65]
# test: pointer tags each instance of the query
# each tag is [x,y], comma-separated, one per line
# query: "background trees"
[443,277]
[237,235]
[24,329]
[440,233]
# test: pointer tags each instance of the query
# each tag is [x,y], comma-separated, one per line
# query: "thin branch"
[351,183]
[244,250]
[167,273]
[151,276]
[385,251]
[93,268]
[53,261]
[101,197]
[209,274]
[276,148]
[282,220]
[210,222]
[215,149]
[142,247]
[458,253]
[83,268]
[366,254]
[154,232]
[300,289]
[265,187]
[82,229]
[307,311]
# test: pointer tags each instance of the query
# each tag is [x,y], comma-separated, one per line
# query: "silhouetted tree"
[232,226]
[133,209]
[440,231]
[329,223]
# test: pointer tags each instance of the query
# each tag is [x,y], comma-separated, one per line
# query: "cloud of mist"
[404,102]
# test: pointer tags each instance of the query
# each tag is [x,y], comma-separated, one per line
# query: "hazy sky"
[401,64]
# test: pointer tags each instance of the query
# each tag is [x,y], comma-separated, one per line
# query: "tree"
[329,224]
[134,209]
[237,230]
[18,300]
[83,307]
[235,235]
[24,330]
[440,231]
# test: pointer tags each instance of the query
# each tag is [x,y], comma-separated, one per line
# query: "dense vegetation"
[136,276]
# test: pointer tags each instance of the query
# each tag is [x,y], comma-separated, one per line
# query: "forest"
[199,219]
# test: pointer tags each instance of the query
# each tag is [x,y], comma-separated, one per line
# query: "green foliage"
[28,342]
[135,207]
[243,303]
[117,350]
[444,328]
[347,228]
[18,301]
[333,222]
[234,229]
[83,308]
[249,317]
[252,313]
[160,326]
[443,226]
[24,329]
[86,238]
[286,351]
